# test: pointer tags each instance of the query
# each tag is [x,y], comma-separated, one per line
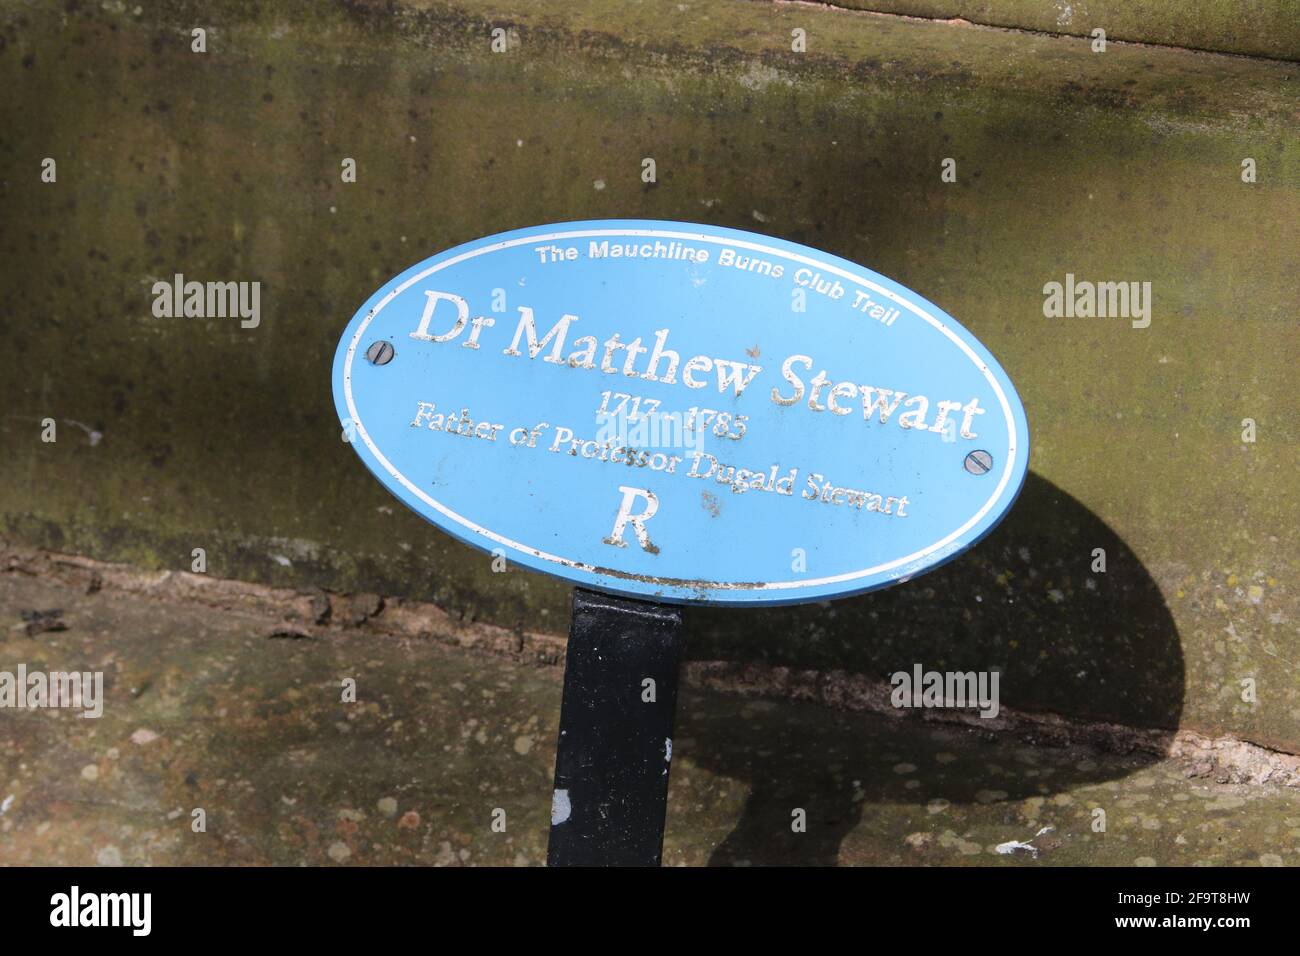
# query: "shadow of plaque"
[1089,645]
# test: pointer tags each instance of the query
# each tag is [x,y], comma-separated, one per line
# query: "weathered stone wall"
[175,434]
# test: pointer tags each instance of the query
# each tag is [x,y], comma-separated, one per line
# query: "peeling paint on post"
[611,765]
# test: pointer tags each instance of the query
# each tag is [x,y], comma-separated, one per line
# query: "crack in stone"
[1228,759]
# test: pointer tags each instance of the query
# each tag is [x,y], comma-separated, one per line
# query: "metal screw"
[978,462]
[380,353]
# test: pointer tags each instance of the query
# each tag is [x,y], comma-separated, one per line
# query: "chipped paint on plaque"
[561,809]
[571,395]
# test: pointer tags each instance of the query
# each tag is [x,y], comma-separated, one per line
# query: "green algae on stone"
[225,166]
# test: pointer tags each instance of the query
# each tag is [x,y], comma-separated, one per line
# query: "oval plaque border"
[1015,466]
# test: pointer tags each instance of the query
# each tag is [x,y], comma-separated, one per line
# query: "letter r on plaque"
[626,517]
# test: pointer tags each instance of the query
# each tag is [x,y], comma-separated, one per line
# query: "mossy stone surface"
[226,166]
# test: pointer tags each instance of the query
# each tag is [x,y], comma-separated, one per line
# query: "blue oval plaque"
[681,412]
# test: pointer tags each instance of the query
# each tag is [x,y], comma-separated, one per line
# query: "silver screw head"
[978,462]
[380,353]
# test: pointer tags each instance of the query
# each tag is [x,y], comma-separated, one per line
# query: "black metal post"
[616,728]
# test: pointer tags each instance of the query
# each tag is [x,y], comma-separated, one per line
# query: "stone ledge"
[315,613]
